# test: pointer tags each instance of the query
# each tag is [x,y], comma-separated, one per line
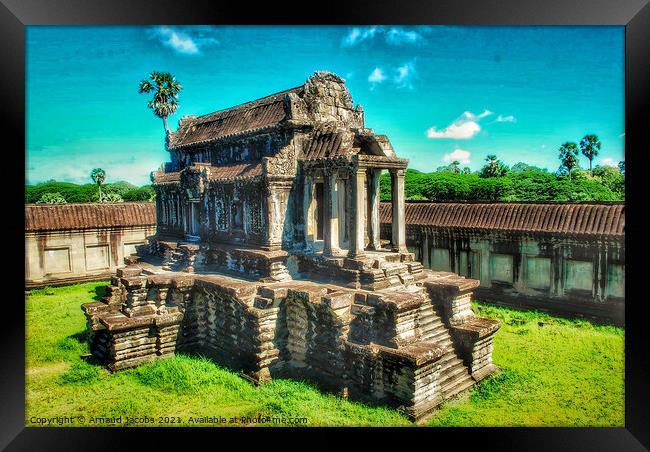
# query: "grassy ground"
[554,372]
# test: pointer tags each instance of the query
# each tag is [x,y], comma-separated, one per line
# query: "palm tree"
[569,156]
[98,176]
[589,146]
[165,94]
[494,167]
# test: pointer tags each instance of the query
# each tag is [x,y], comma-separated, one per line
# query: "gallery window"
[237,215]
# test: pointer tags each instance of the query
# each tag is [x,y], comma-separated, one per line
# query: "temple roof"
[599,219]
[54,217]
[258,114]
[233,171]
[327,144]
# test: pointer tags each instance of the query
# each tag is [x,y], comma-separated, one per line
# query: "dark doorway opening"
[320,210]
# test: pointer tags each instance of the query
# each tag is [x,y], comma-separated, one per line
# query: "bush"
[526,184]
[51,198]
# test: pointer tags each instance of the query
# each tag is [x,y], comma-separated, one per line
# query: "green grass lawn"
[555,372]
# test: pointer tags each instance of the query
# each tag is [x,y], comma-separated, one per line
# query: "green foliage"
[98,176]
[51,198]
[521,166]
[569,157]
[73,193]
[554,372]
[111,198]
[453,167]
[589,146]
[527,184]
[494,167]
[612,178]
[144,193]
[165,90]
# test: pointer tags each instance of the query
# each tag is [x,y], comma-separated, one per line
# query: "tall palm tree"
[569,156]
[165,94]
[98,176]
[589,146]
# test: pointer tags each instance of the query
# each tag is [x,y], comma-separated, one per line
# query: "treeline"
[46,192]
[521,183]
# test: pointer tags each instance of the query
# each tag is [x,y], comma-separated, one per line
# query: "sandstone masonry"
[268,258]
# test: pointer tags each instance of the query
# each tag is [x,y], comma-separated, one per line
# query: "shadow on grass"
[81,337]
[100,292]
[92,360]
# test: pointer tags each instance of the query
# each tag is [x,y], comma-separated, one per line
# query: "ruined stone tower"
[268,258]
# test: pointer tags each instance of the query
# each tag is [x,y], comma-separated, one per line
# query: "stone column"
[373,197]
[306,203]
[331,226]
[357,235]
[399,227]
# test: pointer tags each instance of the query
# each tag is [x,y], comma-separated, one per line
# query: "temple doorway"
[320,209]
[194,219]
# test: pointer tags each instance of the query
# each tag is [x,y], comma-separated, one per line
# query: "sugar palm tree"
[165,90]
[589,146]
[98,176]
[569,156]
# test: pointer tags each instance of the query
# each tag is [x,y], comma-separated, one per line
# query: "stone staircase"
[454,376]
[390,270]
[417,321]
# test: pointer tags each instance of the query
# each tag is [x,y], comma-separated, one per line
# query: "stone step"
[395,269]
[430,325]
[457,387]
[442,335]
[406,278]
[452,373]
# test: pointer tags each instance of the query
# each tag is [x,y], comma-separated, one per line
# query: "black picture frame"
[633,14]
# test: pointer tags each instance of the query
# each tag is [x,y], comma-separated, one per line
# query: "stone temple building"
[268,258]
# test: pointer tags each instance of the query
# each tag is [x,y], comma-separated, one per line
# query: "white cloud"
[358,35]
[376,76]
[177,40]
[186,40]
[608,161]
[508,118]
[399,36]
[458,154]
[404,75]
[392,36]
[465,127]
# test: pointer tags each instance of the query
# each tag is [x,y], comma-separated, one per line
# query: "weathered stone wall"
[230,150]
[69,256]
[389,348]
[560,273]
[228,212]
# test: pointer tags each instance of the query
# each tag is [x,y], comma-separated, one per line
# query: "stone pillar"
[357,229]
[373,197]
[306,203]
[399,227]
[331,226]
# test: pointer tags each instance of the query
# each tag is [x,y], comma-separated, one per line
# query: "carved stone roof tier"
[594,219]
[327,144]
[251,116]
[160,177]
[234,171]
[55,217]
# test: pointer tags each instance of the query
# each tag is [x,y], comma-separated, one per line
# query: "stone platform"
[410,346]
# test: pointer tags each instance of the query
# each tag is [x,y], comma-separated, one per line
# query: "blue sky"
[440,93]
